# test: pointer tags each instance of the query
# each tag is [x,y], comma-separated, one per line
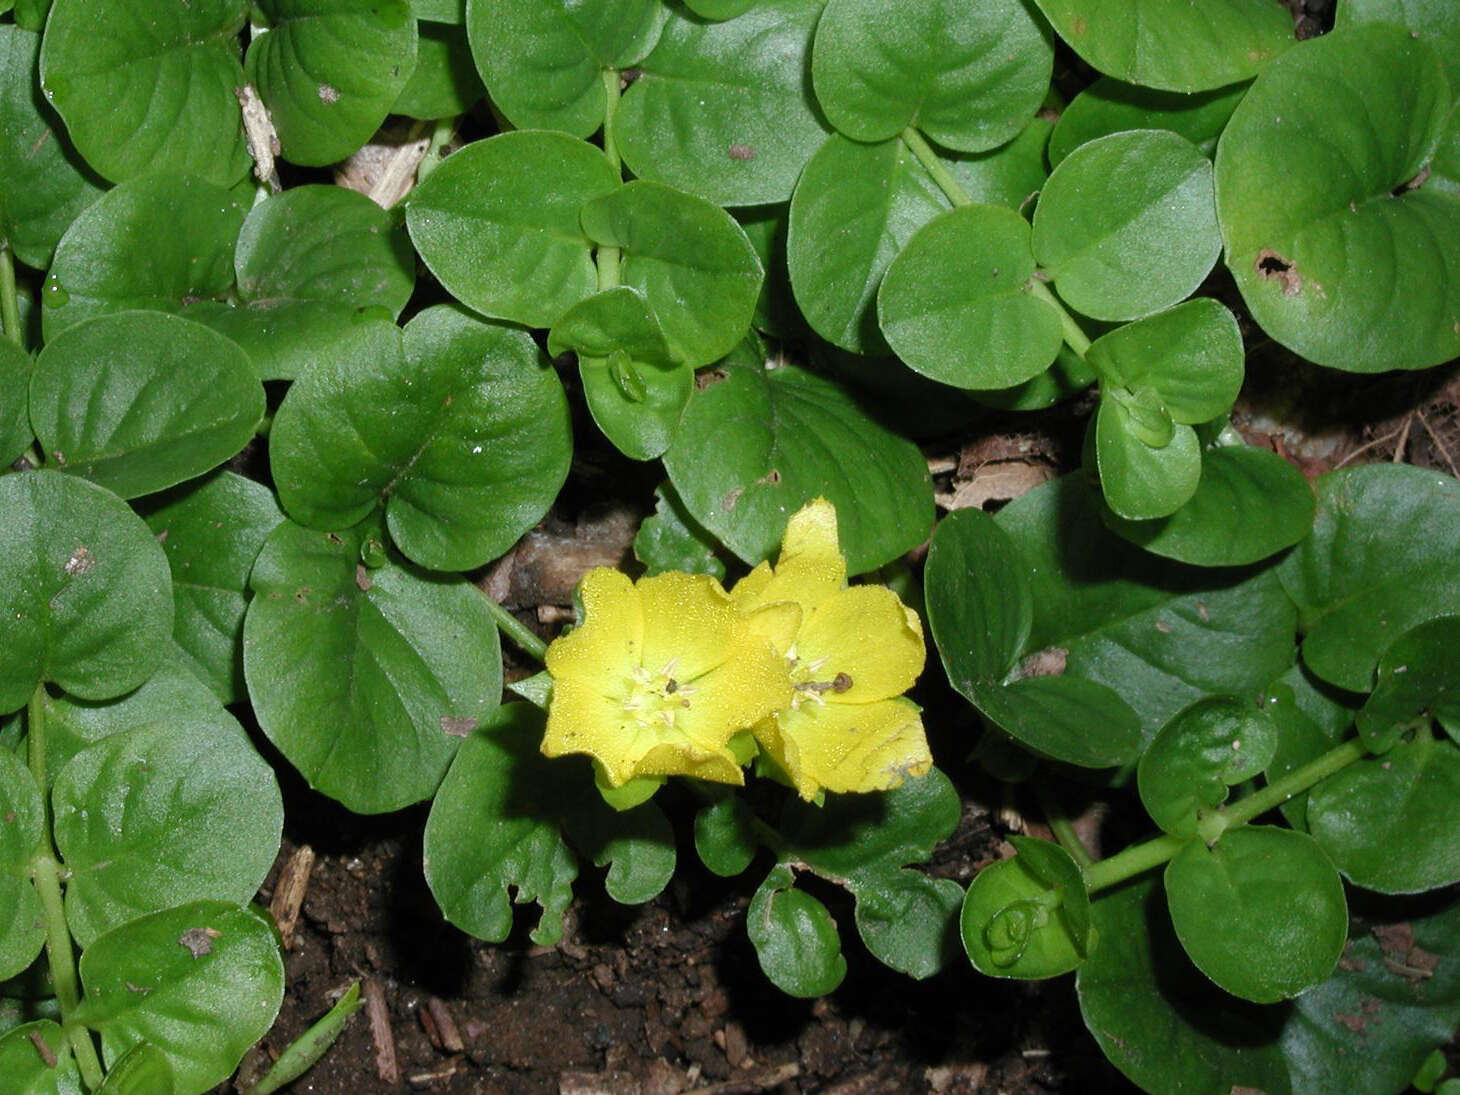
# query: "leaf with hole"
[22,926]
[1028,916]
[1110,106]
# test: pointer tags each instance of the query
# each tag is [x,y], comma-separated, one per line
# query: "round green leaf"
[1175,47]
[1140,480]
[142,1070]
[670,539]
[1262,913]
[22,930]
[795,437]
[693,263]
[43,182]
[149,83]
[725,836]
[1249,504]
[968,77]
[364,677]
[201,982]
[139,401]
[719,9]
[212,531]
[283,338]
[906,920]
[724,109]
[1437,21]
[440,11]
[1110,106]
[1389,822]
[445,81]
[497,223]
[84,590]
[27,1072]
[329,70]
[544,61]
[1028,916]
[1127,224]
[161,815]
[157,242]
[1311,719]
[464,437]
[795,937]
[480,847]
[15,433]
[956,304]
[1417,677]
[1340,252]
[635,844]
[1364,577]
[1211,746]
[325,243]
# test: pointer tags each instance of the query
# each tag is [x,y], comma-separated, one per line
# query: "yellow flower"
[851,652]
[659,677]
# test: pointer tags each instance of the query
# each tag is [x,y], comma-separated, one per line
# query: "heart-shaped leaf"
[98,54]
[363,677]
[1417,678]
[546,62]
[795,937]
[445,82]
[157,242]
[172,812]
[212,531]
[724,110]
[499,236]
[44,184]
[139,401]
[1127,224]
[28,1070]
[482,840]
[84,590]
[813,440]
[22,926]
[1028,916]
[956,305]
[968,77]
[1171,46]
[329,71]
[201,982]
[1349,268]
[1262,913]
[1111,106]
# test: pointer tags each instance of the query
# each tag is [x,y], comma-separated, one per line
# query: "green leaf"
[636,844]
[84,590]
[26,1071]
[724,110]
[44,184]
[1190,355]
[22,930]
[491,831]
[440,11]
[329,71]
[212,531]
[325,243]
[797,437]
[157,242]
[907,920]
[1417,678]
[1389,822]
[544,61]
[183,59]
[693,263]
[201,982]
[161,815]
[1311,718]
[719,9]
[1363,577]
[363,678]
[15,432]
[1436,21]
[142,1070]
[1173,47]
[1262,913]
[463,436]
[725,836]
[283,338]
[1127,224]
[1214,744]
[139,401]
[1349,266]
[795,937]
[501,241]
[1249,504]
[1028,916]
[1162,1023]
[955,304]
[670,539]
[969,78]
[445,81]
[1110,106]
[1141,480]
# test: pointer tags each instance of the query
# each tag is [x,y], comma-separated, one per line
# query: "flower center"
[809,680]
[656,700]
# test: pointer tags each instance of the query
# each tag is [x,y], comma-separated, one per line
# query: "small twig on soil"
[1367,446]
[380,1033]
[426,1079]
[449,1035]
[1435,437]
[1404,437]
[289,893]
[395,181]
[763,1080]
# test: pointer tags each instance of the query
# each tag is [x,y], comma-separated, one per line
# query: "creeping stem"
[9,304]
[607,258]
[45,873]
[509,625]
[1075,337]
[310,1046]
[1059,824]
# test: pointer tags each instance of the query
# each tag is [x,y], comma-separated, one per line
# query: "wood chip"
[752,1082]
[289,894]
[380,1032]
[445,1025]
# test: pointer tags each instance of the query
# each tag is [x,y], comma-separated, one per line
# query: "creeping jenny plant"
[263,436]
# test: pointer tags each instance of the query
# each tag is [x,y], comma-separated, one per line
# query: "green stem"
[310,1046]
[1142,857]
[45,873]
[607,258]
[9,302]
[1074,334]
[509,625]
[1059,824]
[440,138]
[936,167]
[768,835]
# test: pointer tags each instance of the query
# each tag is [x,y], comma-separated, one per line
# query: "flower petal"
[810,569]
[609,642]
[690,622]
[849,747]
[777,623]
[867,634]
